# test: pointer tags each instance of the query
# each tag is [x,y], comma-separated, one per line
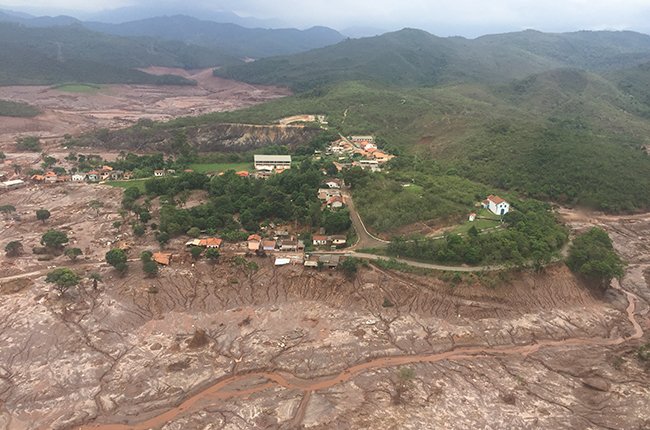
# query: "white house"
[78,177]
[496,205]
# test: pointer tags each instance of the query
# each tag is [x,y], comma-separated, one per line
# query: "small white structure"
[282,261]
[496,205]
[472,217]
[11,185]
[78,177]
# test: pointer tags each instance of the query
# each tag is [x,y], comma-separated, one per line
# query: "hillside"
[232,38]
[564,135]
[72,53]
[416,58]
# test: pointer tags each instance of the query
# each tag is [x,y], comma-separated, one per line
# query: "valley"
[284,347]
[210,226]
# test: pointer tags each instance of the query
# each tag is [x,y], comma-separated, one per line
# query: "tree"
[212,254]
[73,253]
[196,252]
[117,258]
[146,256]
[592,255]
[54,239]
[150,268]
[194,232]
[349,266]
[14,248]
[163,238]
[145,216]
[42,215]
[95,277]
[138,229]
[62,278]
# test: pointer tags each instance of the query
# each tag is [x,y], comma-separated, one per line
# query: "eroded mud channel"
[217,346]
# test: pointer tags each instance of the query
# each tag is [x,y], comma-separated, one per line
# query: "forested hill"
[232,38]
[227,38]
[416,58]
[74,54]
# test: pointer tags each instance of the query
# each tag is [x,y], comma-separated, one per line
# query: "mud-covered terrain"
[117,106]
[226,345]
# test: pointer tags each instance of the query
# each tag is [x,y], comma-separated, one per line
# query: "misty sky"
[443,17]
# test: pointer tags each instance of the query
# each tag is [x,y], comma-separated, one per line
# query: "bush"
[54,239]
[14,248]
[150,268]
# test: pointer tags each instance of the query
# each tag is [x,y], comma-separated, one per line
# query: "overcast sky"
[442,17]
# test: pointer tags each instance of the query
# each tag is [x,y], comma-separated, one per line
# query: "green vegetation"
[14,248]
[592,255]
[150,268]
[53,55]
[29,143]
[78,88]
[132,183]
[532,234]
[54,239]
[117,258]
[17,109]
[42,215]
[415,58]
[62,278]
[219,167]
[73,253]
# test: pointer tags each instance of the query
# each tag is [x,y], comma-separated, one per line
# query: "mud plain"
[116,106]
[288,347]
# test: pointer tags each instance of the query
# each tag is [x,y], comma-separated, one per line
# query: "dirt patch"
[117,106]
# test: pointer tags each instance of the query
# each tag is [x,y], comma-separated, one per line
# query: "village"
[282,243]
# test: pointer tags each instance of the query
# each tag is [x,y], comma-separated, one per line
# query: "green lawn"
[78,88]
[139,183]
[220,167]
[480,224]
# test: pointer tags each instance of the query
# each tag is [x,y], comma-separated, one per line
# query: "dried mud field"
[117,106]
[207,346]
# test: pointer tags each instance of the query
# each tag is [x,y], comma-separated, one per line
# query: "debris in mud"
[597,383]
[199,340]
[179,366]
[14,286]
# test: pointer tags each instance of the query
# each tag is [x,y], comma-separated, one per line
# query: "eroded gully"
[262,380]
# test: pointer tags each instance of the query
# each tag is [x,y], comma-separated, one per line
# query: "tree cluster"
[532,234]
[592,256]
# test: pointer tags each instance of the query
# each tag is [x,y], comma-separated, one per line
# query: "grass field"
[139,183]
[220,167]
[78,88]
[17,109]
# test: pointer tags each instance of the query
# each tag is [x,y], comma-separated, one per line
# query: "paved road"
[431,266]
[366,239]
